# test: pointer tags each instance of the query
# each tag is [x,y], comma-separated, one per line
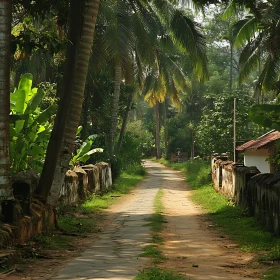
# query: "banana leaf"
[86,156]
[79,130]
[46,114]
[19,101]
[14,118]
[35,101]
[22,95]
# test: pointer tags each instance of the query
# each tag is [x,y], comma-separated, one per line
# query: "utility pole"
[234,130]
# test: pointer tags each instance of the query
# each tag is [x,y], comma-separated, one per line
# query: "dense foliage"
[187,64]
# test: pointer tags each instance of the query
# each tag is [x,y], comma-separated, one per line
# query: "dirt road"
[192,246]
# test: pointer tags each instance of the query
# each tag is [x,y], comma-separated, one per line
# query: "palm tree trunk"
[125,118]
[158,155]
[83,17]
[192,147]
[231,66]
[5,55]
[165,131]
[115,106]
[85,113]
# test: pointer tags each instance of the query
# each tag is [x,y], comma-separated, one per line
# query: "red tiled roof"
[260,142]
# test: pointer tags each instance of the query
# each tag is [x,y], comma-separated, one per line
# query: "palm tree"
[83,15]
[133,29]
[119,40]
[258,32]
[5,54]
[166,79]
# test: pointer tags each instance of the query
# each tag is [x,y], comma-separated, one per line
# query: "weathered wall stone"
[264,197]
[42,218]
[25,217]
[227,179]
[82,183]
[69,189]
[242,175]
[216,167]
[93,178]
[105,176]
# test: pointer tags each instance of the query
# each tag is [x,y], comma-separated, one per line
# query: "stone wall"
[248,188]
[264,200]
[24,216]
[82,182]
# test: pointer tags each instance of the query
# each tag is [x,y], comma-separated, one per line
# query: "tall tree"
[83,15]
[5,54]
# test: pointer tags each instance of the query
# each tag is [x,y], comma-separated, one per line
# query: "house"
[256,152]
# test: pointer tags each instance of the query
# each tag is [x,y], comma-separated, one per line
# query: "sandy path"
[192,247]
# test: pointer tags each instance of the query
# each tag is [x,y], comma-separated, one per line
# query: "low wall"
[24,216]
[248,188]
[41,218]
[82,182]
[264,200]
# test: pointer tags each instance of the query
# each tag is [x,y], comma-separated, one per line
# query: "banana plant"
[29,126]
[84,152]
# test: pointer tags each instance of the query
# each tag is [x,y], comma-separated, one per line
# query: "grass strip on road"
[155,273]
[156,222]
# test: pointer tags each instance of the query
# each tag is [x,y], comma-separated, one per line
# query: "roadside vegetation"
[231,219]
[152,251]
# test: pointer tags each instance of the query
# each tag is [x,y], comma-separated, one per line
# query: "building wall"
[258,159]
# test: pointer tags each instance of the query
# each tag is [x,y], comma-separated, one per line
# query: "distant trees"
[154,50]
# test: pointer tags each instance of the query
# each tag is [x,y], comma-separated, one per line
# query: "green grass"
[272,274]
[153,252]
[230,219]
[156,239]
[54,242]
[156,222]
[158,206]
[158,274]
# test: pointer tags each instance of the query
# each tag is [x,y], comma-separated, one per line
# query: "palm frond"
[249,59]
[272,70]
[230,10]
[186,33]
[246,32]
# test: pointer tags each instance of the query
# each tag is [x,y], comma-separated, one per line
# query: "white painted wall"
[258,159]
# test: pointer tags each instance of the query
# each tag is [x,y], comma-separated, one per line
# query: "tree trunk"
[158,155]
[192,147]
[85,114]
[231,66]
[125,119]
[165,131]
[5,56]
[83,15]
[115,107]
